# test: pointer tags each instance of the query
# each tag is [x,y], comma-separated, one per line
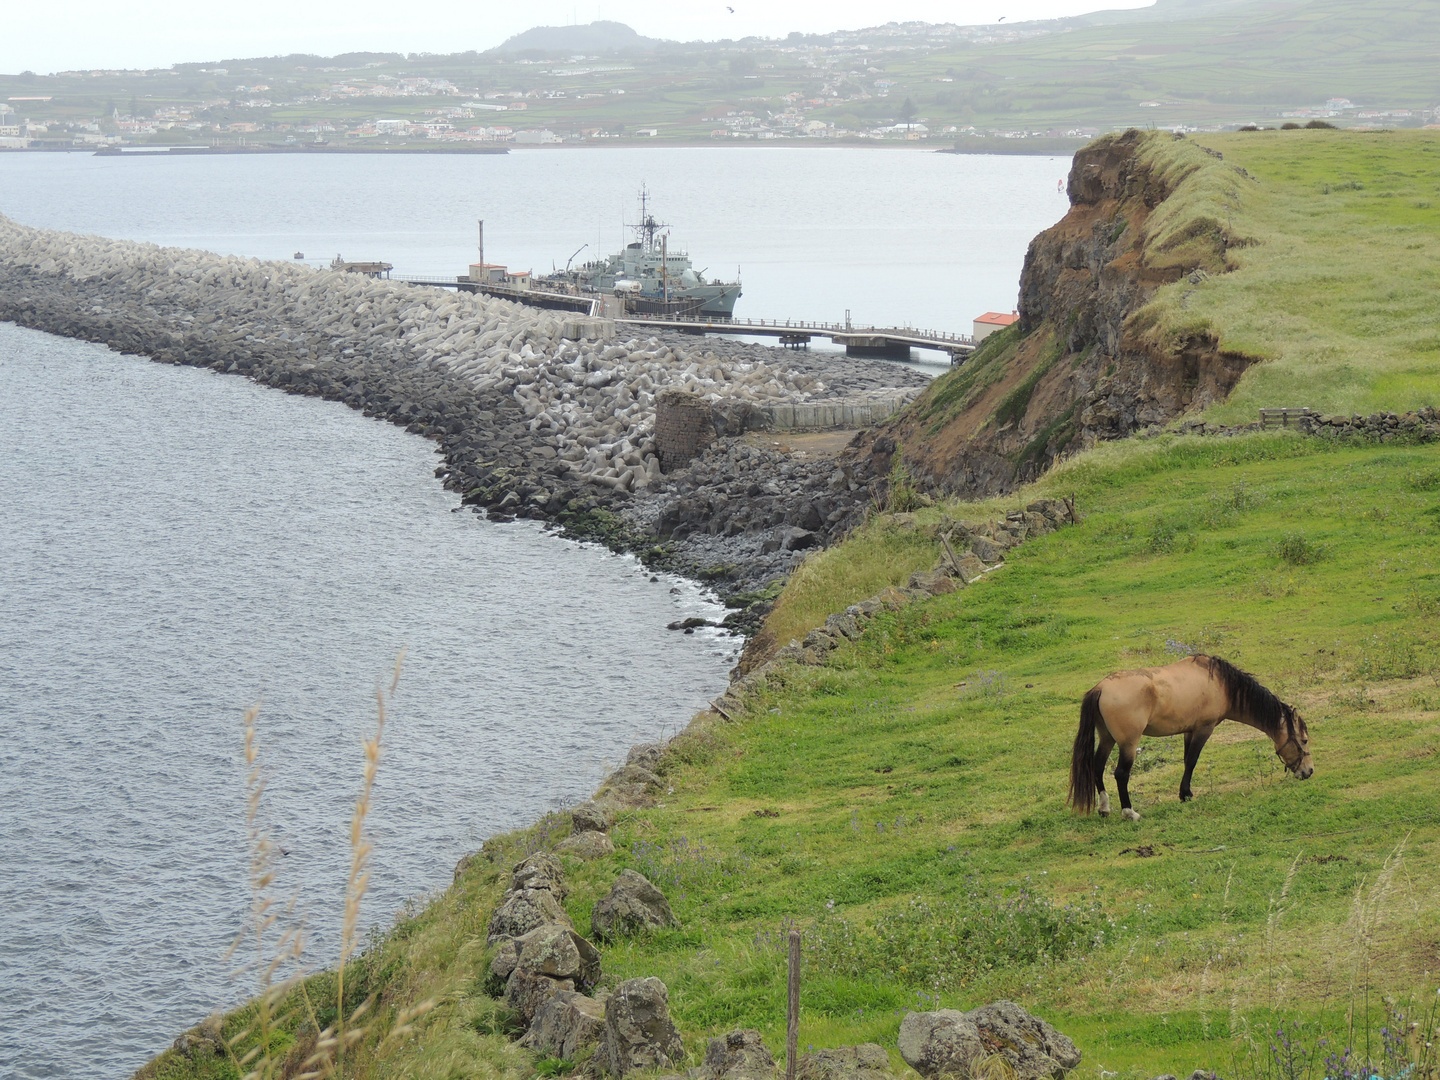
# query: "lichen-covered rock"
[202,1041]
[633,905]
[591,817]
[504,960]
[737,1055]
[540,871]
[523,911]
[950,1043]
[868,1061]
[527,991]
[631,786]
[639,1033]
[560,953]
[934,582]
[566,1024]
[587,845]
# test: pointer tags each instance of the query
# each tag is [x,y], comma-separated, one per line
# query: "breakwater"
[537,414]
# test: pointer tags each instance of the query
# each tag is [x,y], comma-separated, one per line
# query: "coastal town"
[918,83]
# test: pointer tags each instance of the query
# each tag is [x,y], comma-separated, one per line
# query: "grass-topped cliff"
[1204,278]
[903,802]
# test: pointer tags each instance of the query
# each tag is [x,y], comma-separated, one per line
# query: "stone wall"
[684,426]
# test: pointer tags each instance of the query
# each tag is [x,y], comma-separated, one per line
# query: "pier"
[893,342]
[890,342]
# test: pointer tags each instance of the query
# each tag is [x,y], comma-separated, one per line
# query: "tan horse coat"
[1190,697]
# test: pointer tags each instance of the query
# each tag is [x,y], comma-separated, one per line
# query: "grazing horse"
[1190,697]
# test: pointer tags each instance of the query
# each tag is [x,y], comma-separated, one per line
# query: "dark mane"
[1248,697]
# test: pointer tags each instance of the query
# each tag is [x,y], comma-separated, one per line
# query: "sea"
[179,546]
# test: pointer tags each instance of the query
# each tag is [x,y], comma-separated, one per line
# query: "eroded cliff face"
[1083,363]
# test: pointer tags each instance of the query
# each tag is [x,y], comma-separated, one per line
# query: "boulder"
[646,755]
[736,1055]
[868,1061]
[523,911]
[567,1023]
[987,550]
[527,991]
[559,952]
[970,566]
[539,871]
[639,1033]
[934,582]
[952,1044]
[632,786]
[631,906]
[842,625]
[202,1041]
[591,817]
[587,845]
[504,960]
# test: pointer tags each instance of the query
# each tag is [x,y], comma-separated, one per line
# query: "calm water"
[896,236]
[175,545]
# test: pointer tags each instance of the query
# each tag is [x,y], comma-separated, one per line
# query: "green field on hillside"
[904,804]
[1335,240]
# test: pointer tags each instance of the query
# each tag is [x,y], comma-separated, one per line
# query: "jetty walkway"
[895,342]
[892,342]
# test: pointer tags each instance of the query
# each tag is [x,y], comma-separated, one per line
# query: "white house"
[991,321]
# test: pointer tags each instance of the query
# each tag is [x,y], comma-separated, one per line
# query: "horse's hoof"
[1103,813]
[1186,797]
[1129,815]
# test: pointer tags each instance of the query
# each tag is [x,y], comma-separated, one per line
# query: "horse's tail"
[1082,758]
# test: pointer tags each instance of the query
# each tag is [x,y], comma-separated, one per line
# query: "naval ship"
[649,278]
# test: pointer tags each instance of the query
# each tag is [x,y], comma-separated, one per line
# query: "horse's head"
[1292,744]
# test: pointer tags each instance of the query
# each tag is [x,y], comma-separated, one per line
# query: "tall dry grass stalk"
[278,947]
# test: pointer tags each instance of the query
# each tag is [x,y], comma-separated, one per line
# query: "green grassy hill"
[1242,64]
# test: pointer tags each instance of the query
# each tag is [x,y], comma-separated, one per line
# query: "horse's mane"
[1248,696]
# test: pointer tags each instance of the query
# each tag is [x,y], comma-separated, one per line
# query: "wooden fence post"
[792,1027]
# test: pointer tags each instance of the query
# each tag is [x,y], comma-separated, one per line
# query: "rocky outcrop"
[1085,361]
[537,887]
[948,1043]
[632,906]
[736,1055]
[589,831]
[639,1033]
[868,1061]
[566,1024]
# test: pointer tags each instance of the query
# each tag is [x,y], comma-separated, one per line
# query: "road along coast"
[538,414]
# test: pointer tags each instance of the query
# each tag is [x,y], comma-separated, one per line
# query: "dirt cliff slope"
[1086,361]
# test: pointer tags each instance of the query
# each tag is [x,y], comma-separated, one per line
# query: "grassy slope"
[1338,290]
[890,780]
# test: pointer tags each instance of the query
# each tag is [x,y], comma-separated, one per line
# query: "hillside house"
[991,321]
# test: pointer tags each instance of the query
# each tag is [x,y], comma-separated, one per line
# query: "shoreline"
[535,416]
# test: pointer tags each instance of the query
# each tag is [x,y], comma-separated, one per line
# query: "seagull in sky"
[1000,19]
[731,10]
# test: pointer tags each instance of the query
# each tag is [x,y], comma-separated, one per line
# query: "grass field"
[904,804]
[1336,280]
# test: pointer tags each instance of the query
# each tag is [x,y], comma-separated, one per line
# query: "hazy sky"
[157,33]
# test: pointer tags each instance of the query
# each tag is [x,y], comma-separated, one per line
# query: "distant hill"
[597,37]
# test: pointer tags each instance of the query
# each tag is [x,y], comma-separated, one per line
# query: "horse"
[1189,697]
